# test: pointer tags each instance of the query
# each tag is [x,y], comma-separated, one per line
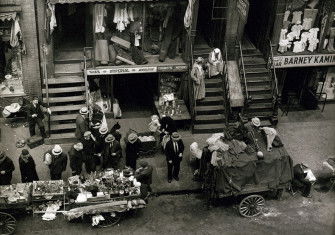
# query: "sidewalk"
[308,136]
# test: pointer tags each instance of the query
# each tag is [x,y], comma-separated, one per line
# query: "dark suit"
[110,161]
[31,109]
[144,175]
[76,160]
[7,166]
[173,155]
[57,166]
[89,158]
[81,126]
[28,170]
[168,124]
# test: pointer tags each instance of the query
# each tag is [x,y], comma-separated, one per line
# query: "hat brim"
[256,123]
[56,153]
[132,140]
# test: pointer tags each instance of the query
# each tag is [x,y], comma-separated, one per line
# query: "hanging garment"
[53,21]
[286,15]
[313,39]
[296,30]
[188,14]
[101,51]
[330,46]
[311,13]
[296,17]
[283,46]
[307,24]
[100,13]
[116,13]
[15,35]
[198,76]
[298,47]
[215,63]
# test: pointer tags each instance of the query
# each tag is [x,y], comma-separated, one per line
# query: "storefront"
[306,79]
[11,49]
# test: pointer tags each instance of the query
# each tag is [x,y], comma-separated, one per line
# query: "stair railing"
[273,76]
[193,103]
[226,86]
[87,93]
[242,72]
[45,76]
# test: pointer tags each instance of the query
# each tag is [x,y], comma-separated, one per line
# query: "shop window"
[138,33]
[301,26]
[10,56]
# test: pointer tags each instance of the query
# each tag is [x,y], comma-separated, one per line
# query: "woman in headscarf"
[215,63]
[27,167]
[198,76]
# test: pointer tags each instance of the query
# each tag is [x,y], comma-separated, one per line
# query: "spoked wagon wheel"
[110,220]
[7,224]
[251,206]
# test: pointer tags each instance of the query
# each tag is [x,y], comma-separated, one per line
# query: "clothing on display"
[296,17]
[53,21]
[100,14]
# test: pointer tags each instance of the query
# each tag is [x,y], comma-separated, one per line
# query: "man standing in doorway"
[174,154]
[35,116]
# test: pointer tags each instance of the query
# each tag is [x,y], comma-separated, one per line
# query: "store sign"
[304,60]
[172,68]
[125,70]
[243,8]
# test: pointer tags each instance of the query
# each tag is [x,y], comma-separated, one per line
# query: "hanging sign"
[304,60]
[243,8]
[124,70]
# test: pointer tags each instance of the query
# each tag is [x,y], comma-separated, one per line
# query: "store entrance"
[136,93]
[72,26]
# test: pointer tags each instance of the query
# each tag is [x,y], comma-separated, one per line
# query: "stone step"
[65,80]
[64,90]
[63,108]
[63,117]
[215,109]
[209,119]
[214,91]
[65,99]
[61,138]
[208,128]
[212,100]
[58,127]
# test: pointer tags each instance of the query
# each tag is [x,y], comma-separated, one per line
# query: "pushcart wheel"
[7,224]
[251,206]
[110,220]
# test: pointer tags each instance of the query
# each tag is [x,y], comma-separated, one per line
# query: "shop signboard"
[123,70]
[172,68]
[243,8]
[304,60]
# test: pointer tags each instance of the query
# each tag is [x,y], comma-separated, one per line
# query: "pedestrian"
[35,116]
[168,125]
[88,150]
[115,131]
[174,150]
[100,140]
[133,146]
[76,157]
[144,174]
[112,153]
[198,77]
[82,123]
[215,63]
[6,169]
[27,167]
[57,161]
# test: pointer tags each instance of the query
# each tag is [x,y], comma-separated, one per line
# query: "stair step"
[254,61]
[63,117]
[259,114]
[69,55]
[214,91]
[64,90]
[259,81]
[65,99]
[209,119]
[71,107]
[259,90]
[252,53]
[61,138]
[208,128]
[58,127]
[261,97]
[259,106]
[212,100]
[215,109]
[256,70]
[213,83]
[72,68]
[65,80]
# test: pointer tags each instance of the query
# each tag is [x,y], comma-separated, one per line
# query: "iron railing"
[242,73]
[45,76]
[225,84]
[193,102]
[274,80]
[87,93]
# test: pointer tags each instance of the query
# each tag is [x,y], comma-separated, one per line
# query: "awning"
[87,1]
[7,16]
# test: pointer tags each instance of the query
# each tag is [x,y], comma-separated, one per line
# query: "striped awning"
[87,1]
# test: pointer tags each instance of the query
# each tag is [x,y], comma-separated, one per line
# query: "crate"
[147,147]
[37,195]
[35,141]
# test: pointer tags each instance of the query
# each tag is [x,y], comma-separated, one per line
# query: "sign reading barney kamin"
[304,60]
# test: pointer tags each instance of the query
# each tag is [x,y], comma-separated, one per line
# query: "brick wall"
[30,61]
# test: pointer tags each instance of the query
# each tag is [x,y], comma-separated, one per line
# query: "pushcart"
[148,142]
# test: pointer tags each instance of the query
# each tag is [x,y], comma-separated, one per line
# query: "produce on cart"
[232,167]
[15,193]
[47,190]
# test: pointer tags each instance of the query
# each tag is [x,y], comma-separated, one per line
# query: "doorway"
[73,24]
[136,93]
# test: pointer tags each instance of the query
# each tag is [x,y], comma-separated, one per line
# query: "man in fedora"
[57,161]
[174,150]
[82,123]
[100,139]
[76,156]
[144,174]
[112,152]
[35,116]
[133,146]
[88,151]
[6,169]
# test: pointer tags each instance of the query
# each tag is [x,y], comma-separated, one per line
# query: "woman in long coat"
[27,167]
[198,76]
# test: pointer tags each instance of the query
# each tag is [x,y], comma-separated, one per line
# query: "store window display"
[11,49]
[138,33]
